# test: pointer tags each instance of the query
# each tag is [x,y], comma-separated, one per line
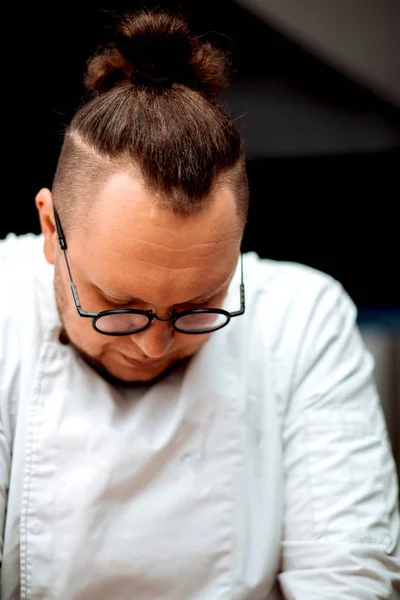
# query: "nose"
[156,340]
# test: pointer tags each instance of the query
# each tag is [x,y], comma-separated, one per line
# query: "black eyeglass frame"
[151,315]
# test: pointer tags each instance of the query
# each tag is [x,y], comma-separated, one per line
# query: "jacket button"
[36,526]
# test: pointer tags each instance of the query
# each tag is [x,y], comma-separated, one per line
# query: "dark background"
[323,150]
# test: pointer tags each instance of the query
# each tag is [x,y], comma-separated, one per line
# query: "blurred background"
[316,93]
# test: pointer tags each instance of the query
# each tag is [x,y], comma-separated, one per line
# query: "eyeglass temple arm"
[63,246]
[242,295]
[60,233]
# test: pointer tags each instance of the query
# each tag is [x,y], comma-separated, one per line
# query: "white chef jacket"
[260,470]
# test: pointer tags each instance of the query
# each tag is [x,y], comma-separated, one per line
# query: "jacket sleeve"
[341,513]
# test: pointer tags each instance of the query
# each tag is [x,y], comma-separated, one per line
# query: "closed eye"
[117,303]
[193,306]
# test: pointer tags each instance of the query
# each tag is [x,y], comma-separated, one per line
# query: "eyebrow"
[118,296]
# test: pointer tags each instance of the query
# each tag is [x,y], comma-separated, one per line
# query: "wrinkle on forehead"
[153,279]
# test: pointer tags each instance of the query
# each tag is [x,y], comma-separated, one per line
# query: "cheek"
[188,344]
[79,330]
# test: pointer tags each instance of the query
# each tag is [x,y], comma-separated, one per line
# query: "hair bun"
[158,46]
[156,49]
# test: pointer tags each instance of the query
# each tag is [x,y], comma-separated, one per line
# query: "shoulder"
[22,259]
[287,286]
[21,250]
[14,247]
[301,322]
[27,282]
[27,311]
[288,303]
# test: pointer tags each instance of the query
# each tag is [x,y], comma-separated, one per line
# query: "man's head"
[151,190]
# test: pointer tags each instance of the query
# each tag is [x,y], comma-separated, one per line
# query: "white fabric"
[260,471]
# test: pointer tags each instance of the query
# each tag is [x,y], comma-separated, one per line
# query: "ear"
[44,205]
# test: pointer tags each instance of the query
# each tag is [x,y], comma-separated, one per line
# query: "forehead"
[133,243]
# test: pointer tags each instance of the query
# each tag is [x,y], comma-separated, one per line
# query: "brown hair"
[153,110]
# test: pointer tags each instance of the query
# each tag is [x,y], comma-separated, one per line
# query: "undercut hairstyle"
[153,111]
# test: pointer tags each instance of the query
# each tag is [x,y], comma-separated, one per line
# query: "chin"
[127,376]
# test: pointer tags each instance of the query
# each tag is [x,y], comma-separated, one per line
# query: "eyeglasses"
[130,321]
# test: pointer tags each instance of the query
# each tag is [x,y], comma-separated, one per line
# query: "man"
[179,421]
